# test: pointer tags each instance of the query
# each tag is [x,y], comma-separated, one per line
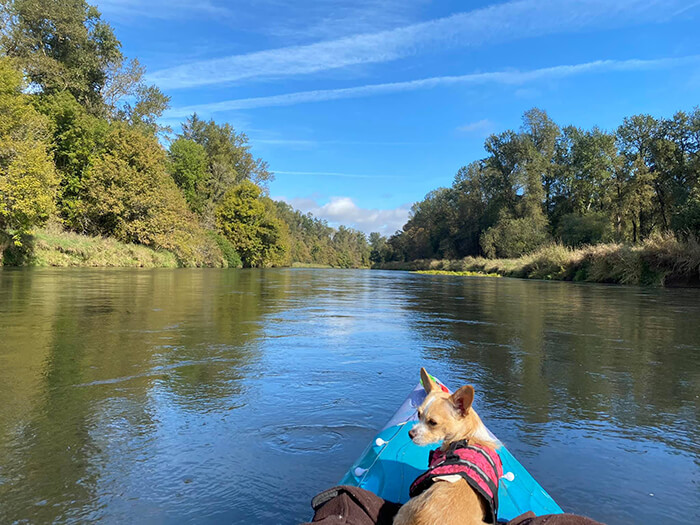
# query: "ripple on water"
[305,439]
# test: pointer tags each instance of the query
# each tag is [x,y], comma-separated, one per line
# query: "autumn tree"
[27,175]
[129,195]
[249,221]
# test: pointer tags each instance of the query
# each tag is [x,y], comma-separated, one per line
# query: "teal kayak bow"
[392,461]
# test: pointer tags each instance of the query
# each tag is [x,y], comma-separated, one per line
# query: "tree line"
[81,143]
[544,183]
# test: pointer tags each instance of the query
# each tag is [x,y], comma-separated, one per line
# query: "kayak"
[392,461]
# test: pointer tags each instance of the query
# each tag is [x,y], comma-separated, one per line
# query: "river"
[224,396]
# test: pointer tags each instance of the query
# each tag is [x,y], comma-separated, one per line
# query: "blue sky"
[362,107]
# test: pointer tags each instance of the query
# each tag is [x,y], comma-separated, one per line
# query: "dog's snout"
[412,433]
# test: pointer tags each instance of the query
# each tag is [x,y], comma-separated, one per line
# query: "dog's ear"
[428,384]
[463,398]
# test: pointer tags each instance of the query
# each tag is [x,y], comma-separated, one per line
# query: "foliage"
[188,167]
[63,45]
[230,161]
[128,195]
[77,137]
[591,228]
[233,260]
[89,106]
[380,249]
[658,260]
[577,186]
[249,221]
[511,237]
[27,174]
[313,242]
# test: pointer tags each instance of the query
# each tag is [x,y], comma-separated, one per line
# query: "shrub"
[514,237]
[233,260]
[593,228]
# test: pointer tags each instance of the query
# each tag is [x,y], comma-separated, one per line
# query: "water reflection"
[234,396]
[589,385]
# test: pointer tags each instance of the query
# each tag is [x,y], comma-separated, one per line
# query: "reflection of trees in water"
[563,352]
[92,353]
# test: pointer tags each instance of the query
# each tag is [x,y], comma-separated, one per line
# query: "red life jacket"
[479,466]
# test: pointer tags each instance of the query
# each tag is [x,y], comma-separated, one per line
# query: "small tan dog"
[449,500]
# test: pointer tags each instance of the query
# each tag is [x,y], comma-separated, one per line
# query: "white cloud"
[480,127]
[333,18]
[161,9]
[287,21]
[512,77]
[344,211]
[498,23]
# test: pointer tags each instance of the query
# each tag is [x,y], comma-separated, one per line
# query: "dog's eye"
[432,422]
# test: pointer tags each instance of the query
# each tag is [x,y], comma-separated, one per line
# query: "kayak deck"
[392,461]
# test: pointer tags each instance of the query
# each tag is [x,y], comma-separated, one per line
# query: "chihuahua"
[450,499]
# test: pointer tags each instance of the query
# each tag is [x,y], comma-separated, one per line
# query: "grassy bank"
[459,273]
[310,265]
[54,247]
[659,261]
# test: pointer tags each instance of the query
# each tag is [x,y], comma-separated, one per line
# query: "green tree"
[63,45]
[514,237]
[351,248]
[27,175]
[249,221]
[636,138]
[77,138]
[591,228]
[586,163]
[129,195]
[230,161]
[538,139]
[188,167]
[379,248]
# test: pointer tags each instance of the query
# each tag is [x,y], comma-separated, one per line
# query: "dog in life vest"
[461,484]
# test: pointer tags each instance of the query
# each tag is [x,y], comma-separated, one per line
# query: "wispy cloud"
[499,23]
[331,19]
[480,127]
[344,210]
[512,77]
[161,9]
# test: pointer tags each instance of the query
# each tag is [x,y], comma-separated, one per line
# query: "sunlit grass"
[310,265]
[458,273]
[54,247]
[660,260]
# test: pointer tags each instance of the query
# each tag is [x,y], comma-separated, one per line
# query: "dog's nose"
[412,433]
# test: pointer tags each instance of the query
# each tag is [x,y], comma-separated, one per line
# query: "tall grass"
[661,260]
[54,247]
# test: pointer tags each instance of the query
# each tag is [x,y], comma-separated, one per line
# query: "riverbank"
[658,261]
[53,247]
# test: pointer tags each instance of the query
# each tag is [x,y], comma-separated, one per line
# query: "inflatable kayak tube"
[392,461]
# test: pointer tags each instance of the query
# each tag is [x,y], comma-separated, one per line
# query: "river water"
[222,396]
